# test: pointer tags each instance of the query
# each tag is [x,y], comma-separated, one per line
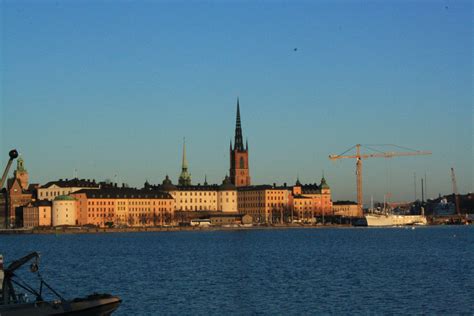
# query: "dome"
[324,185]
[167,185]
[227,185]
[64,198]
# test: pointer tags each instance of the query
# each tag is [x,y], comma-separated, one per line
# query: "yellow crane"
[379,154]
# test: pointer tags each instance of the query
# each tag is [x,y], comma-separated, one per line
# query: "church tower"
[239,156]
[21,173]
[185,177]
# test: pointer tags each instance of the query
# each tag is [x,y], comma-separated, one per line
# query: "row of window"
[129,203]
[196,193]
[52,194]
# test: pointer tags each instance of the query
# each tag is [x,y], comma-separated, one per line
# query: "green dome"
[324,185]
[64,198]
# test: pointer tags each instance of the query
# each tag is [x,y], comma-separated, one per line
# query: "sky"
[110,88]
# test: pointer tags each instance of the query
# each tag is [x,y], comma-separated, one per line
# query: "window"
[242,163]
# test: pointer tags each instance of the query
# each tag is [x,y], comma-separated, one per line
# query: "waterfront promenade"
[93,230]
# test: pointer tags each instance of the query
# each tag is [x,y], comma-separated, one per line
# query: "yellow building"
[124,207]
[345,209]
[205,197]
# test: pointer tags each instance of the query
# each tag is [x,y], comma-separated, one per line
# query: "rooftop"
[124,193]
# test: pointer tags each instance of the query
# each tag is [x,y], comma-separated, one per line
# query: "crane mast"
[455,192]
[358,156]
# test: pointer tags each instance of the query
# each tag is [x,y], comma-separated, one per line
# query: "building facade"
[64,211]
[283,204]
[124,207]
[37,214]
[18,195]
[201,197]
[264,203]
[345,209]
[53,189]
[239,156]
[311,200]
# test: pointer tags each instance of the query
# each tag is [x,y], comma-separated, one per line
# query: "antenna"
[414,176]
[426,188]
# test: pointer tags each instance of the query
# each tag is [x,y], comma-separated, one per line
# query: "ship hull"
[94,306]
[394,220]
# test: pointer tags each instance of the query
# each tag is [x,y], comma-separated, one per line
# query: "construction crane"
[379,154]
[455,192]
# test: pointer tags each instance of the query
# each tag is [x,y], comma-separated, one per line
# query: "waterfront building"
[282,204]
[227,196]
[64,211]
[201,197]
[311,200]
[37,213]
[239,156]
[265,203]
[52,189]
[124,207]
[345,209]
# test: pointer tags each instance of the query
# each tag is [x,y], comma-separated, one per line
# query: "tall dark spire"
[238,142]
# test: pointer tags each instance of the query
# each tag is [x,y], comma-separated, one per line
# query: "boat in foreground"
[13,303]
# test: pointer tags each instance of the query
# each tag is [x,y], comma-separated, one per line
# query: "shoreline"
[91,230]
[102,230]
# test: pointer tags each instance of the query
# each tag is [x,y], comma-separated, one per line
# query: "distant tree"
[130,220]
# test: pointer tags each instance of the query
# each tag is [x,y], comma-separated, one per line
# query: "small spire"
[184,162]
[298,183]
[185,177]
[246,144]
[205,179]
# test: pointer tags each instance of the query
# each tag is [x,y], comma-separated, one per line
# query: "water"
[296,271]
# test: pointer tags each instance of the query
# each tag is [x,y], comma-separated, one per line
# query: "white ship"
[394,220]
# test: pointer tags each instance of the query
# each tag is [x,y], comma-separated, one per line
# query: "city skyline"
[112,89]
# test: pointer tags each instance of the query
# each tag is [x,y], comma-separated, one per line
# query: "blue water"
[293,271]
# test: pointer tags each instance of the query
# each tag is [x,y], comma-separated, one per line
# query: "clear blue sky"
[109,88]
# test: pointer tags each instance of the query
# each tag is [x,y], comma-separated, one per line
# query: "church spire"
[238,142]
[185,177]
[184,164]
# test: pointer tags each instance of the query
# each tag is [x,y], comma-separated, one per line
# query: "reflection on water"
[301,271]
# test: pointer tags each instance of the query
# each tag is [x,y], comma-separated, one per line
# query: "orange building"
[311,200]
[265,203]
[124,207]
